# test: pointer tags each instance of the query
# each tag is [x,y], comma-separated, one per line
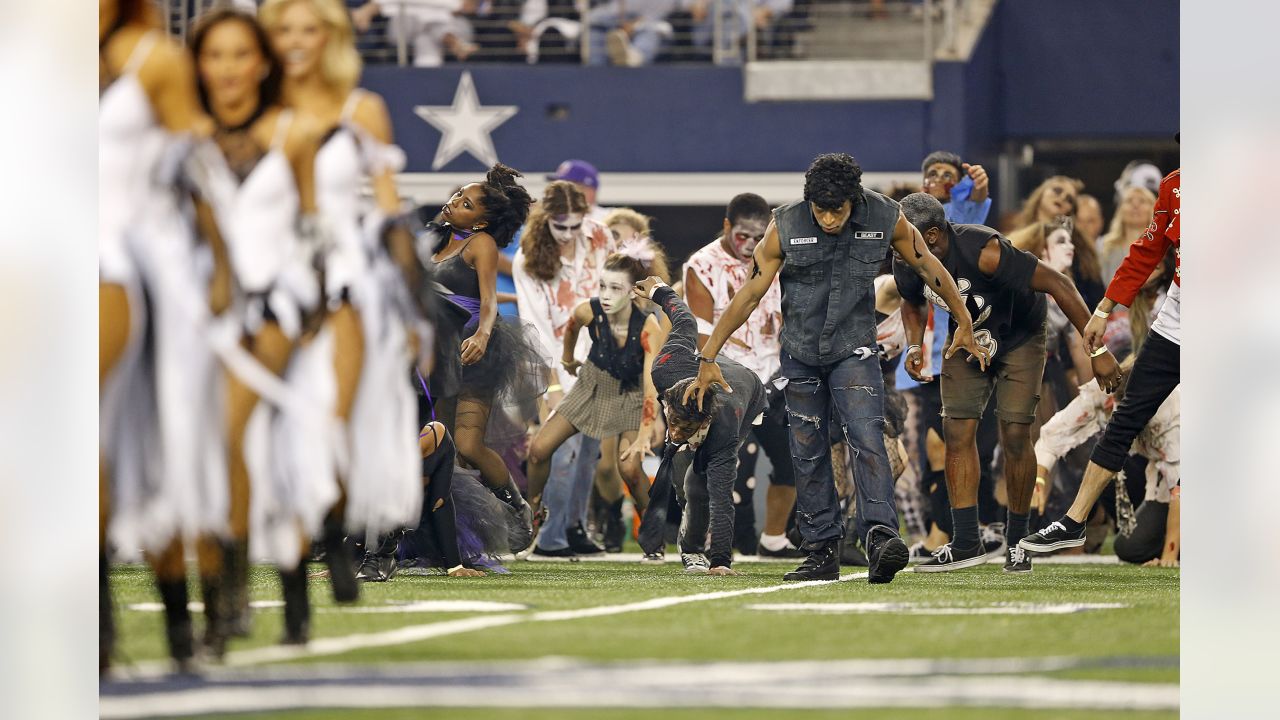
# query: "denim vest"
[828,295]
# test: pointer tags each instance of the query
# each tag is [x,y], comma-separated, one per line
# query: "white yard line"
[985,682]
[428,631]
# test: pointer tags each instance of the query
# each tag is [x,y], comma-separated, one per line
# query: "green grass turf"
[695,714]
[726,629]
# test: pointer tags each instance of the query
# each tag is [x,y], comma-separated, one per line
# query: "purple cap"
[577,171]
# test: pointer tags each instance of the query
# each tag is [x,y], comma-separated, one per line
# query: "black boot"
[823,563]
[342,566]
[234,589]
[177,623]
[615,530]
[215,623]
[297,606]
[380,563]
[106,618]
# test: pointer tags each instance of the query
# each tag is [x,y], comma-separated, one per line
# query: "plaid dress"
[598,406]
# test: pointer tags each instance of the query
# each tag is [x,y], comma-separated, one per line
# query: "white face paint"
[566,228]
[1058,250]
[624,233]
[746,234]
[615,291]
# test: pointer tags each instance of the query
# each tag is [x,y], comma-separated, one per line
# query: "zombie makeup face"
[678,430]
[1058,251]
[741,238]
[939,178]
[566,228]
[624,233]
[615,291]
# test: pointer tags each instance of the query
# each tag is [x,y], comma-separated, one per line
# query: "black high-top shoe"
[823,563]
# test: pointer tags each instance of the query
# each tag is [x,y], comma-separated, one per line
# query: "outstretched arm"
[684,327]
[910,246]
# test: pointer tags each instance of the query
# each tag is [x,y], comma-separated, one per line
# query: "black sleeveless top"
[624,363]
[454,273]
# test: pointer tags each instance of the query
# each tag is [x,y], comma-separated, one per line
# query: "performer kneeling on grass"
[1004,289]
[614,397]
[703,437]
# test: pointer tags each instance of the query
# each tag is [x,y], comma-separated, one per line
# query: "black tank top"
[454,273]
[624,363]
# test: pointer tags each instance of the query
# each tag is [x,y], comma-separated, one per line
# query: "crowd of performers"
[290,369]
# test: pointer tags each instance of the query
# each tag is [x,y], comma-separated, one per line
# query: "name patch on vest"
[804,241]
[868,235]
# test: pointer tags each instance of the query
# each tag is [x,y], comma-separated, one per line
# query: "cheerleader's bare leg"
[272,348]
[348,360]
[113,336]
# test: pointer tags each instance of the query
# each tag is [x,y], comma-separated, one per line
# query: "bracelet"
[1100,314]
[703,359]
[910,348]
[1099,352]
[554,388]
[1041,481]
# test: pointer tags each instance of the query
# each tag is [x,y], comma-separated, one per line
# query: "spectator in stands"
[635,31]
[1054,197]
[1152,532]
[1130,221]
[430,27]
[1089,218]
[1139,173]
[587,179]
[737,19]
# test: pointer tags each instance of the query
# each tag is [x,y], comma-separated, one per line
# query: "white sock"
[774,542]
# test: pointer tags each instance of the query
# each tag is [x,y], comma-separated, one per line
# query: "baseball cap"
[577,171]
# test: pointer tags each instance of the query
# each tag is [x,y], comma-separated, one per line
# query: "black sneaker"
[888,555]
[919,553]
[580,543]
[948,558]
[787,551]
[992,539]
[695,563]
[653,558]
[1054,537]
[822,563]
[541,554]
[1017,560]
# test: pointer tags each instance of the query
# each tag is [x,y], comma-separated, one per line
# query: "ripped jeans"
[850,392]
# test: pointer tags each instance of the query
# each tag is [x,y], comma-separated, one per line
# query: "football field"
[616,639]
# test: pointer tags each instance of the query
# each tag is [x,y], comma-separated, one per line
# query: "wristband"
[554,388]
[1099,352]
[705,360]
[1100,314]
[1041,481]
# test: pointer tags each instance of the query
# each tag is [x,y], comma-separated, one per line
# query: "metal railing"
[720,32]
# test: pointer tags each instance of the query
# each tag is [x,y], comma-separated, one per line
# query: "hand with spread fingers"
[722,571]
[964,340]
[709,375]
[644,288]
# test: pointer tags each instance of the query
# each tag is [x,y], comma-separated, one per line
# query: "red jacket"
[1147,251]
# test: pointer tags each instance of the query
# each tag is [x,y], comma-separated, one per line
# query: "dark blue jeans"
[850,392]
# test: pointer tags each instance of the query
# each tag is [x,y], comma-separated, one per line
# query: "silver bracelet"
[909,347]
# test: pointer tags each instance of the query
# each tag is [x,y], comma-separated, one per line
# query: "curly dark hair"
[541,253]
[506,203]
[689,413]
[831,179]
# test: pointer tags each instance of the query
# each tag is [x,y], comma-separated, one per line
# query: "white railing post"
[949,26]
[584,38]
[402,46]
[752,48]
[928,30]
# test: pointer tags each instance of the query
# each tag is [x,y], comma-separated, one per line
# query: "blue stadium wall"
[1090,69]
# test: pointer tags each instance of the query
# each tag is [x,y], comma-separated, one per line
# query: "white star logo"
[465,126]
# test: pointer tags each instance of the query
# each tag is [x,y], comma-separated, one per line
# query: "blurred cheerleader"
[262,194]
[368,320]
[152,481]
[614,399]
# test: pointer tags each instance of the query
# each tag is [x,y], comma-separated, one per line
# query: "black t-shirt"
[1005,310]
